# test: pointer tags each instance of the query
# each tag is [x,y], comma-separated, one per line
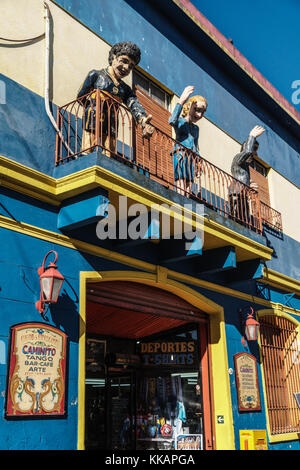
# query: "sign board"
[168,353]
[36,373]
[247,382]
[253,439]
[189,442]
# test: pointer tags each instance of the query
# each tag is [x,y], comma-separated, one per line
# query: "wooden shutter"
[154,154]
[263,186]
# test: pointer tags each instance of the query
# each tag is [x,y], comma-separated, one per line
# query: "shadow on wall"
[65,313]
[27,135]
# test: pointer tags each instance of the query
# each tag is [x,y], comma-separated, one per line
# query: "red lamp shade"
[51,281]
[251,328]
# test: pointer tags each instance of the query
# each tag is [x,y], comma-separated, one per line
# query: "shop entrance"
[110,408]
[146,377]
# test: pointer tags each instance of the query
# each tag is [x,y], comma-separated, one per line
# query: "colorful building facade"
[145,346]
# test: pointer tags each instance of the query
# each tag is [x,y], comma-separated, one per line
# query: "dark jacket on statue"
[102,80]
[240,164]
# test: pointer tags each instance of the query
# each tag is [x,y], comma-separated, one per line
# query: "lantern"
[51,281]
[251,327]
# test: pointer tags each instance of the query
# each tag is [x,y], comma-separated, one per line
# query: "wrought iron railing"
[112,128]
[271,217]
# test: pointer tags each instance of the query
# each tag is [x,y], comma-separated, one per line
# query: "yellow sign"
[253,439]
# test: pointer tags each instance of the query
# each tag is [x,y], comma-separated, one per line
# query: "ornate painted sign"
[160,353]
[37,367]
[247,382]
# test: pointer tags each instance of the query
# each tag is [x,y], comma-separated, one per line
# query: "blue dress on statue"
[188,135]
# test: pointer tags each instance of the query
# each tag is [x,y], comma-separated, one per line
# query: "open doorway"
[144,370]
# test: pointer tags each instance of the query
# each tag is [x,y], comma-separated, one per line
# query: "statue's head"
[194,108]
[125,48]
[123,57]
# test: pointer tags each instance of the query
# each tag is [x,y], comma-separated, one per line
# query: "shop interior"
[143,381]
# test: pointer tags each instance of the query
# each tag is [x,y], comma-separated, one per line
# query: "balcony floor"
[126,172]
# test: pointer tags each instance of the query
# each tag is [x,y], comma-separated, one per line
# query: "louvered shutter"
[263,187]
[154,155]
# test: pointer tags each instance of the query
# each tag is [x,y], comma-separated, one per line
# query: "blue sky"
[267,33]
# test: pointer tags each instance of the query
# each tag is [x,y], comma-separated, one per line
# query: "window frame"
[260,167]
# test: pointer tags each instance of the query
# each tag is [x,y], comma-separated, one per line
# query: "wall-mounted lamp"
[251,327]
[51,281]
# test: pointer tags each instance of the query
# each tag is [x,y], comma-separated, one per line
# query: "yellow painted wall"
[216,146]
[22,62]
[285,197]
[76,50]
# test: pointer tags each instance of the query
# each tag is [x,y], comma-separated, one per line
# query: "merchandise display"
[168,406]
[146,403]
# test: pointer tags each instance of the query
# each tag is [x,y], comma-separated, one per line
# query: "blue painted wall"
[18,206]
[21,256]
[286,255]
[26,134]
[19,290]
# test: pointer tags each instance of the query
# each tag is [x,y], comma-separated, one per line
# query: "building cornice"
[48,189]
[281,281]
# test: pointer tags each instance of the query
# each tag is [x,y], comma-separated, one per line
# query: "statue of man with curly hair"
[122,59]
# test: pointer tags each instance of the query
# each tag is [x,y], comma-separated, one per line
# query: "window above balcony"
[152,90]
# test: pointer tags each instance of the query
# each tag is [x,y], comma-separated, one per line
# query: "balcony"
[114,131]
